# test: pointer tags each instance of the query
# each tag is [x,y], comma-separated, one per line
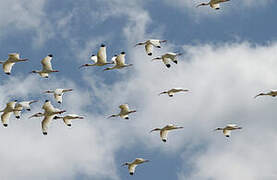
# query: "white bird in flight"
[49,113]
[164,130]
[22,105]
[124,112]
[46,67]
[67,119]
[167,57]
[9,109]
[271,93]
[119,62]
[215,4]
[100,59]
[132,165]
[8,64]
[58,94]
[149,44]
[171,92]
[227,129]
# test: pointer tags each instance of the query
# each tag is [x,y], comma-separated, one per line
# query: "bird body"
[171,92]
[8,64]
[46,67]
[167,57]
[58,94]
[22,105]
[215,4]
[228,128]
[149,44]
[100,59]
[119,62]
[49,114]
[67,119]
[132,165]
[9,109]
[272,93]
[124,112]
[165,129]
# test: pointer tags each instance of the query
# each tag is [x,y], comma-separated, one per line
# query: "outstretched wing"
[149,49]
[124,108]
[102,55]
[45,123]
[46,63]
[5,117]
[163,134]
[7,66]
[120,60]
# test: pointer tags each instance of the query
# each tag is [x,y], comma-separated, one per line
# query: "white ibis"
[132,165]
[100,59]
[227,129]
[22,105]
[46,67]
[271,93]
[119,62]
[49,113]
[8,64]
[9,109]
[213,4]
[171,92]
[58,94]
[164,131]
[167,57]
[67,119]
[124,112]
[149,44]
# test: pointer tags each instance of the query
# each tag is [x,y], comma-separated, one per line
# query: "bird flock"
[51,113]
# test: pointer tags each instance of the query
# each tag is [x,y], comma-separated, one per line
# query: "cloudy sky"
[229,57]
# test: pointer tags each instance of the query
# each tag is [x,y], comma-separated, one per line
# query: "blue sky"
[229,57]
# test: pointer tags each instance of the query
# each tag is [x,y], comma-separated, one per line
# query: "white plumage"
[46,67]
[171,92]
[149,44]
[8,64]
[22,105]
[132,165]
[165,129]
[167,57]
[119,62]
[100,59]
[228,128]
[49,114]
[7,112]
[124,112]
[58,94]
[215,4]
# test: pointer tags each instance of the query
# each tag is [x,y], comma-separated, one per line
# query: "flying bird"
[9,109]
[58,94]
[8,64]
[171,92]
[149,44]
[46,67]
[100,59]
[67,119]
[215,4]
[271,93]
[164,131]
[124,112]
[22,105]
[119,62]
[132,165]
[227,129]
[49,113]
[167,57]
